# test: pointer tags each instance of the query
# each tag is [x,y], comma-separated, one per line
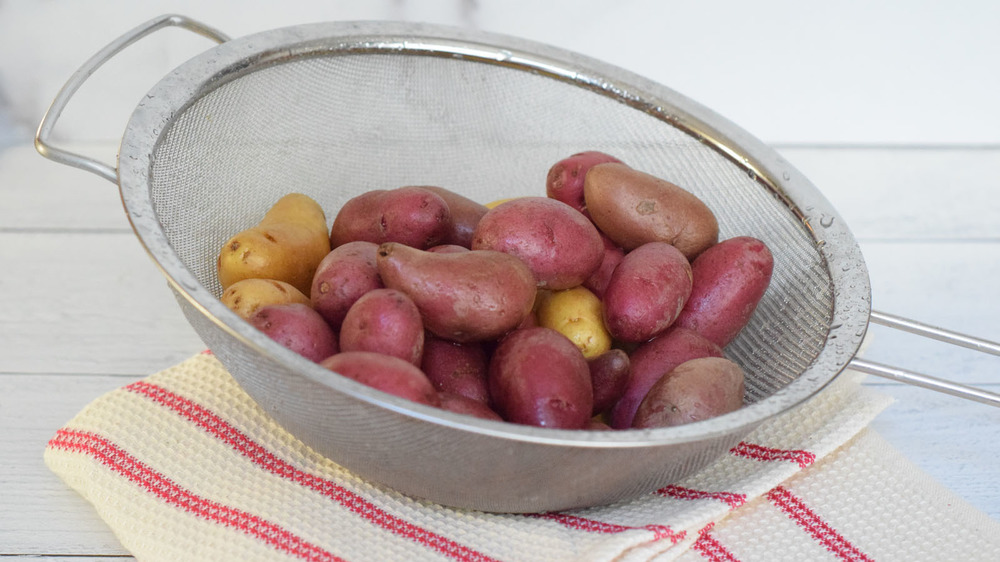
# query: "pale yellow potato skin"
[576,314]
[287,245]
[245,297]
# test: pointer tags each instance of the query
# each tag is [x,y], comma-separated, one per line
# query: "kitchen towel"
[183,465]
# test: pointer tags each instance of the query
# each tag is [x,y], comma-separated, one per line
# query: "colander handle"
[927,381]
[84,72]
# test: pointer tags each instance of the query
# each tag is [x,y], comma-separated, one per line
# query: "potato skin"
[463,405]
[245,297]
[564,181]
[297,327]
[609,374]
[575,313]
[383,372]
[646,292]
[465,215]
[343,275]
[598,280]
[467,296]
[287,245]
[729,280]
[384,321]
[410,215]
[695,390]
[538,377]
[457,368]
[632,208]
[560,246]
[653,359]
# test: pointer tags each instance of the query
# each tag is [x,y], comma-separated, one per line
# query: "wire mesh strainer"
[335,109]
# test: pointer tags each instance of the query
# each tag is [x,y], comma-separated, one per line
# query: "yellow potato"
[287,245]
[576,314]
[246,296]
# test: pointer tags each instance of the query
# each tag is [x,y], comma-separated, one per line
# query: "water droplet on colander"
[786,175]
[505,55]
[825,221]
[835,326]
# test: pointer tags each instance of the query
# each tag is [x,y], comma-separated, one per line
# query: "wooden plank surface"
[86,311]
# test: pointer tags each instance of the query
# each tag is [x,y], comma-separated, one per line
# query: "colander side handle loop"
[927,381]
[51,116]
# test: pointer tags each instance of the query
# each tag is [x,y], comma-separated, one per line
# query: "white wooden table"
[83,310]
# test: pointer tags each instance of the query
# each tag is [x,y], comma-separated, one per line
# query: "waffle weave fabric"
[182,465]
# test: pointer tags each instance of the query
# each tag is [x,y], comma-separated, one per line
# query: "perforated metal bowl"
[335,109]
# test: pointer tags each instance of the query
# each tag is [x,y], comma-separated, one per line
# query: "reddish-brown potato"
[695,390]
[345,274]
[598,281]
[467,296]
[384,321]
[458,368]
[728,281]
[297,327]
[653,359]
[463,405]
[410,215]
[383,372]
[632,208]
[646,292]
[465,215]
[609,374]
[538,377]
[560,246]
[564,181]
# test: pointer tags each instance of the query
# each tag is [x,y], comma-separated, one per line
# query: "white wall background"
[791,72]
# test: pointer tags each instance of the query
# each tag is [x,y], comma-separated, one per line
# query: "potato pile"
[604,304]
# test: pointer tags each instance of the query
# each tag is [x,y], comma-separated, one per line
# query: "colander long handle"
[107,172]
[927,381]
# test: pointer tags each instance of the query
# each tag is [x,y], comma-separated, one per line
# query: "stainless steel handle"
[44,132]
[927,381]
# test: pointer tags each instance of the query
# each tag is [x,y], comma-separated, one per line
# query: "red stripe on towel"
[732,499]
[592,526]
[710,548]
[762,453]
[135,471]
[813,524]
[256,453]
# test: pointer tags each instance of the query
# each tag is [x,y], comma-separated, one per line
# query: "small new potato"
[342,276]
[247,296]
[297,327]
[695,390]
[564,181]
[456,368]
[287,244]
[575,313]
[410,215]
[386,373]
[384,321]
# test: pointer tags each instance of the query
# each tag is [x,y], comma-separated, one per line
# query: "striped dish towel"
[183,465]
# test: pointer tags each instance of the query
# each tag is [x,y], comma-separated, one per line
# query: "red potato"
[410,215]
[653,359]
[646,292]
[383,372]
[467,296]
[564,181]
[465,215]
[297,327]
[384,321]
[457,368]
[463,405]
[345,274]
[693,391]
[538,377]
[609,374]
[560,246]
[728,281]
[632,208]
[447,249]
[613,255]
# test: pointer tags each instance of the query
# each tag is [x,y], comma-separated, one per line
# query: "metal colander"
[335,109]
